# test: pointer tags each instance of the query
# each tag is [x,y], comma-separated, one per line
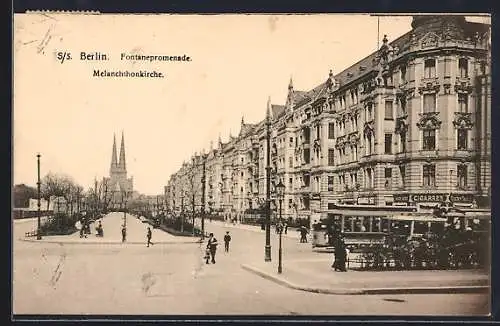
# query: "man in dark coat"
[124,233]
[148,236]
[340,256]
[227,239]
[303,234]
[212,245]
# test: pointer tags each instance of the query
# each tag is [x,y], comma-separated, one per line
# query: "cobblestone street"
[71,278]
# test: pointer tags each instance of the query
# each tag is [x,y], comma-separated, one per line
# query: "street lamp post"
[124,197]
[203,180]
[267,257]
[38,229]
[280,193]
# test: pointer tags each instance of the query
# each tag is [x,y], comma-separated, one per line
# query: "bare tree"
[193,187]
[57,185]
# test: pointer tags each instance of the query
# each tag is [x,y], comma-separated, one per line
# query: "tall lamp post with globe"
[280,194]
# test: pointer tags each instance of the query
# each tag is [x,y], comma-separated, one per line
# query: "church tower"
[121,164]
[114,162]
[118,183]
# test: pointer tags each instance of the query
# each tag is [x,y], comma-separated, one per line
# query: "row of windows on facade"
[430,71]
[349,181]
[429,105]
[349,153]
[339,128]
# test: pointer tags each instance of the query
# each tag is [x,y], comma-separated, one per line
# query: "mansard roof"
[277,110]
[246,128]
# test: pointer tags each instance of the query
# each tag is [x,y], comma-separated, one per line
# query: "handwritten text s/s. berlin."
[65,56]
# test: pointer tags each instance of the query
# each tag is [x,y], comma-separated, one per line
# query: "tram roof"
[360,209]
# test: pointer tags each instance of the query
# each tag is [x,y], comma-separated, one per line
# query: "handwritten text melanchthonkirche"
[66,56]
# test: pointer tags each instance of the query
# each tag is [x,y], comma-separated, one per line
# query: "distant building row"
[408,124]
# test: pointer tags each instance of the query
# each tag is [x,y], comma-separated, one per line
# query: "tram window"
[437,228]
[401,227]
[366,224]
[347,224]
[420,227]
[484,225]
[405,227]
[376,224]
[385,225]
[358,225]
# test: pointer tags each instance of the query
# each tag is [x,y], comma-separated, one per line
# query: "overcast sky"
[68,116]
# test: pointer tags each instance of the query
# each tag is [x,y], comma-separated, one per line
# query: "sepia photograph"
[251,164]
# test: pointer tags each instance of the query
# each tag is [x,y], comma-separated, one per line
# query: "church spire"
[121,163]
[114,162]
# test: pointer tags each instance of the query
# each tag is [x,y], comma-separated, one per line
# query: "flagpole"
[378,32]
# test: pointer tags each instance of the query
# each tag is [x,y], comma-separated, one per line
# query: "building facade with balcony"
[407,125]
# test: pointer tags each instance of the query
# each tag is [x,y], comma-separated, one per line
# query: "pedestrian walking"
[212,246]
[340,256]
[227,239]
[148,236]
[207,254]
[124,233]
[303,235]
[286,227]
[207,249]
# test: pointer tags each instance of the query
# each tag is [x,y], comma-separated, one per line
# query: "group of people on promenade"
[212,244]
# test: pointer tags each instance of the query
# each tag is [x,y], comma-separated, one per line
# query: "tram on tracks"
[362,225]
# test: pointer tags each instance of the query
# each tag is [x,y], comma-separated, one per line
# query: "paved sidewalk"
[111,223]
[291,233]
[316,275]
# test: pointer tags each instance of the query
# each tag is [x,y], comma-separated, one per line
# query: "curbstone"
[107,243]
[374,291]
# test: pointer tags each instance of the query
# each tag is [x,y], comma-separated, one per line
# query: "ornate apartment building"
[407,125]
